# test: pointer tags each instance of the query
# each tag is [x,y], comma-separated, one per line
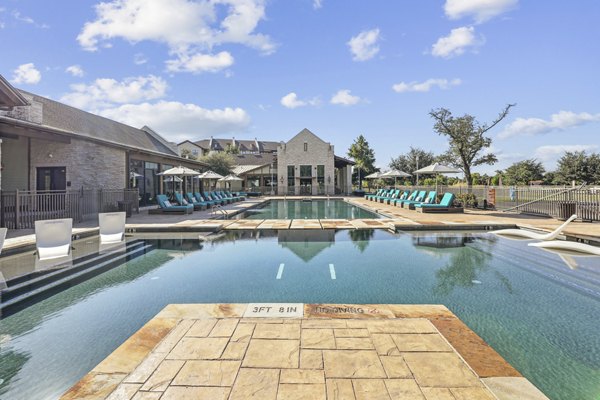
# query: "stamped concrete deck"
[304,351]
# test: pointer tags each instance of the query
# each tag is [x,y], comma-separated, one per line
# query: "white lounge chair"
[525,234]
[568,245]
[2,237]
[112,227]
[53,238]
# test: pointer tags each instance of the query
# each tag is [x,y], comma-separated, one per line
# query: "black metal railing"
[20,209]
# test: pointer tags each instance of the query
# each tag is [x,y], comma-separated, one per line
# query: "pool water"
[314,209]
[537,311]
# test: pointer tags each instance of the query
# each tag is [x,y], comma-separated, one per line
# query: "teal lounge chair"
[218,196]
[396,195]
[216,200]
[199,198]
[413,196]
[237,195]
[198,205]
[371,195]
[388,194]
[430,199]
[382,192]
[403,196]
[227,196]
[165,206]
[445,205]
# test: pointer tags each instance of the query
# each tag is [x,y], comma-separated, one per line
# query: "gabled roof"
[254,159]
[9,96]
[305,132]
[255,146]
[88,125]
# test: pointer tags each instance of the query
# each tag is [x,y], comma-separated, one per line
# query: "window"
[321,176]
[291,175]
[305,146]
[306,171]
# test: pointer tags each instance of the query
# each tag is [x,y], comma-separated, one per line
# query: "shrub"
[467,200]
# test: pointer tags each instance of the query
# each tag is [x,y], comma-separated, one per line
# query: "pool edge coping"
[501,378]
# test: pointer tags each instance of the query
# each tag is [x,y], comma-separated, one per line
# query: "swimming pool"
[532,308]
[312,209]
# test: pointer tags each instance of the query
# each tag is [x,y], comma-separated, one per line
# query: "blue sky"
[267,69]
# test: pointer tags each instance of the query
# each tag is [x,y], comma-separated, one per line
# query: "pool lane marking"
[280,271]
[332,271]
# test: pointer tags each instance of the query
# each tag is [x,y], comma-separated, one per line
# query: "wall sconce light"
[50,155]
[329,179]
[281,180]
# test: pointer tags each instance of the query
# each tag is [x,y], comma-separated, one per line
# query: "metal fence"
[552,201]
[20,209]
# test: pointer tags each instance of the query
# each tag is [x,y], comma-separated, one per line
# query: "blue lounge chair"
[397,194]
[236,195]
[371,195]
[198,205]
[402,197]
[165,206]
[219,196]
[233,199]
[199,198]
[216,200]
[445,205]
[413,196]
[381,192]
[430,199]
[388,194]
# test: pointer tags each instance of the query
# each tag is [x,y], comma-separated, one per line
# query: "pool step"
[23,294]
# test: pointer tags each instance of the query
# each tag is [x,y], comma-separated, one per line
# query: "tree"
[363,156]
[187,153]
[467,139]
[230,149]
[221,163]
[577,166]
[408,162]
[523,172]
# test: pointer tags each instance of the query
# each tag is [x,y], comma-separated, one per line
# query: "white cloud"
[292,101]
[344,98]
[364,45]
[317,4]
[178,121]
[139,59]
[26,73]
[75,70]
[28,20]
[190,29]
[200,62]
[456,43]
[559,121]
[106,92]
[550,153]
[480,10]
[425,86]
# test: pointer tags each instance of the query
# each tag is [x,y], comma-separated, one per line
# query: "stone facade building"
[306,165]
[49,146]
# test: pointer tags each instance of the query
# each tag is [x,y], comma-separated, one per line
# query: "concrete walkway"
[304,351]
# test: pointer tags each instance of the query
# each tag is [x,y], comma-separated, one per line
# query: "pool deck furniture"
[212,197]
[444,206]
[274,351]
[198,205]
[111,227]
[430,199]
[420,196]
[402,198]
[575,247]
[205,200]
[53,238]
[165,206]
[401,195]
[525,234]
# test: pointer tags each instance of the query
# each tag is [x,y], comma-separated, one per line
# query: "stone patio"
[304,351]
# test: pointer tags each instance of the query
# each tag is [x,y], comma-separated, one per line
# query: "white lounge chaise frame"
[112,227]
[525,234]
[53,238]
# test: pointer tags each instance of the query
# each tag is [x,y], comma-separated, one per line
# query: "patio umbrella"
[179,172]
[230,178]
[437,169]
[395,174]
[374,175]
[210,175]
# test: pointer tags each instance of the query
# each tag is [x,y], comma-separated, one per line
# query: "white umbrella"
[437,169]
[230,178]
[179,172]
[395,174]
[374,175]
[210,175]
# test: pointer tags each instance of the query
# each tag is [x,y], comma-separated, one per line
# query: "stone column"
[0,164]
[348,177]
